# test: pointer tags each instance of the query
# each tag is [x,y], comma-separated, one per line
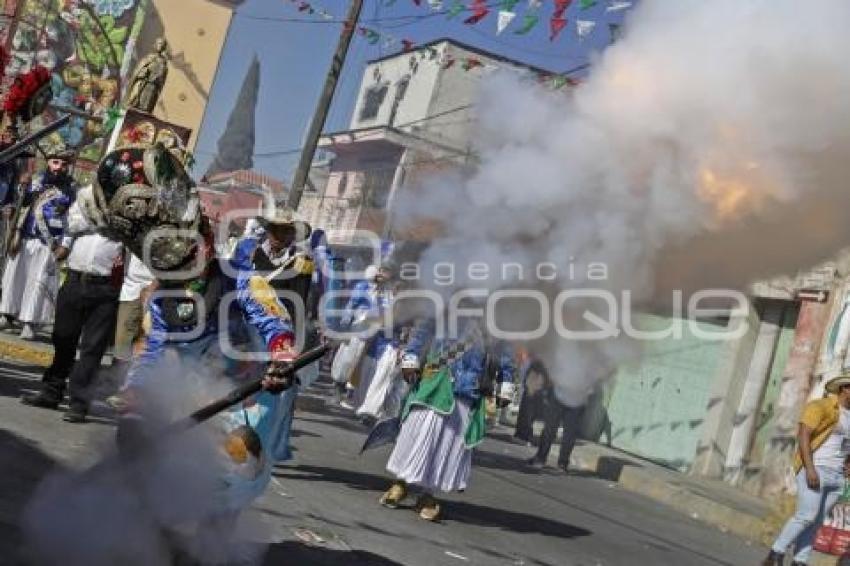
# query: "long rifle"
[134,442]
[15,150]
[244,391]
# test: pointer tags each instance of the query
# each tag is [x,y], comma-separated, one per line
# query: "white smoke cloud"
[708,147]
[150,501]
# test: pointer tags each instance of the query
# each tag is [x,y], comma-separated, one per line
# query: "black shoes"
[74,415]
[40,400]
[774,559]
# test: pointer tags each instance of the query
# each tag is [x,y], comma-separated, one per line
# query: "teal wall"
[656,407]
[767,412]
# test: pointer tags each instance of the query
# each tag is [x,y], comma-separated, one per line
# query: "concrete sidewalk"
[712,502]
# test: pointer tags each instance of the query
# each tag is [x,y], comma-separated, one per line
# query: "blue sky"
[295,56]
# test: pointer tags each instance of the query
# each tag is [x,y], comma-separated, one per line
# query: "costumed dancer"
[208,333]
[322,275]
[30,280]
[371,299]
[277,253]
[444,415]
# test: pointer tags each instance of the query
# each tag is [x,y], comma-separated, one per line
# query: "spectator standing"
[555,414]
[30,279]
[533,402]
[823,445]
[85,314]
[128,327]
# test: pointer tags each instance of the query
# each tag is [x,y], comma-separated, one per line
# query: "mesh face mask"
[150,204]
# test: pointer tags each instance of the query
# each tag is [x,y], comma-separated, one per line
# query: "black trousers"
[555,415]
[85,318]
[531,408]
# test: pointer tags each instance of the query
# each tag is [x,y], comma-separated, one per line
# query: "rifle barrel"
[244,391]
[15,150]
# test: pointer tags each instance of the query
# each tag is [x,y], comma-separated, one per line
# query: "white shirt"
[90,252]
[94,254]
[836,447]
[138,277]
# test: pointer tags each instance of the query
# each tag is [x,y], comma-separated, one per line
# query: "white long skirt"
[386,370]
[30,284]
[365,373]
[430,452]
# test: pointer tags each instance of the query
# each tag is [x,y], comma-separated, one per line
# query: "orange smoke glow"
[732,196]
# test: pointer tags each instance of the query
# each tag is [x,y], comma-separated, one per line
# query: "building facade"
[236,196]
[413,116]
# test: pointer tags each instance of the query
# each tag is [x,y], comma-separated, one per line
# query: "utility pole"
[318,122]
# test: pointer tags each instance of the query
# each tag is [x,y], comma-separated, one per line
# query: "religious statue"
[149,79]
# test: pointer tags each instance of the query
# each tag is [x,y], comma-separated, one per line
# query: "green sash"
[435,392]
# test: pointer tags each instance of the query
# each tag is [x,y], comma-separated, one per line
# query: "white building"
[414,114]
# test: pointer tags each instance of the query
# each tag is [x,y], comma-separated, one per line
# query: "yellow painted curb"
[24,353]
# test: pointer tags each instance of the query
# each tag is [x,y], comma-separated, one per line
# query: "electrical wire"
[412,17]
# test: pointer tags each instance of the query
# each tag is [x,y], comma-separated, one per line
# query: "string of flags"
[477,11]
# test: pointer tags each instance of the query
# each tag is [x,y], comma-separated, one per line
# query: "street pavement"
[322,507]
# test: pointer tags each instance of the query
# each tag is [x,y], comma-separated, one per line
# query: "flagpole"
[325,99]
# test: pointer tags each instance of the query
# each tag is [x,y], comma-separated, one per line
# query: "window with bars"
[377,183]
[372,101]
[400,91]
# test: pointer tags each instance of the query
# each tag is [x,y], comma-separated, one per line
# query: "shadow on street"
[291,552]
[465,512]
[22,468]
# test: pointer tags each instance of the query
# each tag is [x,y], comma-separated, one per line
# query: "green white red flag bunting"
[529,21]
[456,8]
[618,6]
[479,11]
[584,28]
[504,20]
[475,11]
[556,26]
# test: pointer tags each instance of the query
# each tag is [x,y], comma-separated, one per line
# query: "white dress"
[430,451]
[30,284]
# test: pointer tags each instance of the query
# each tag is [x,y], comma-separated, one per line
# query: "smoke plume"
[155,499]
[707,148]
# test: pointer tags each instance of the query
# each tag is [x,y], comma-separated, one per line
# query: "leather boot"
[40,400]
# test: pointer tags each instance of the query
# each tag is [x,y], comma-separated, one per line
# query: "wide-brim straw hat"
[835,383]
[276,215]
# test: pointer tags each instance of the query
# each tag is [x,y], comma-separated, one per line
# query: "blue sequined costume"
[242,315]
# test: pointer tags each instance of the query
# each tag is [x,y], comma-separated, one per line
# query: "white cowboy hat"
[276,215]
[835,383]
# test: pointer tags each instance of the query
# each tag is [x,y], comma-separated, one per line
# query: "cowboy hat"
[60,152]
[277,215]
[833,385]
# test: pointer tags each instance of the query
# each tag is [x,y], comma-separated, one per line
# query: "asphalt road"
[322,507]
